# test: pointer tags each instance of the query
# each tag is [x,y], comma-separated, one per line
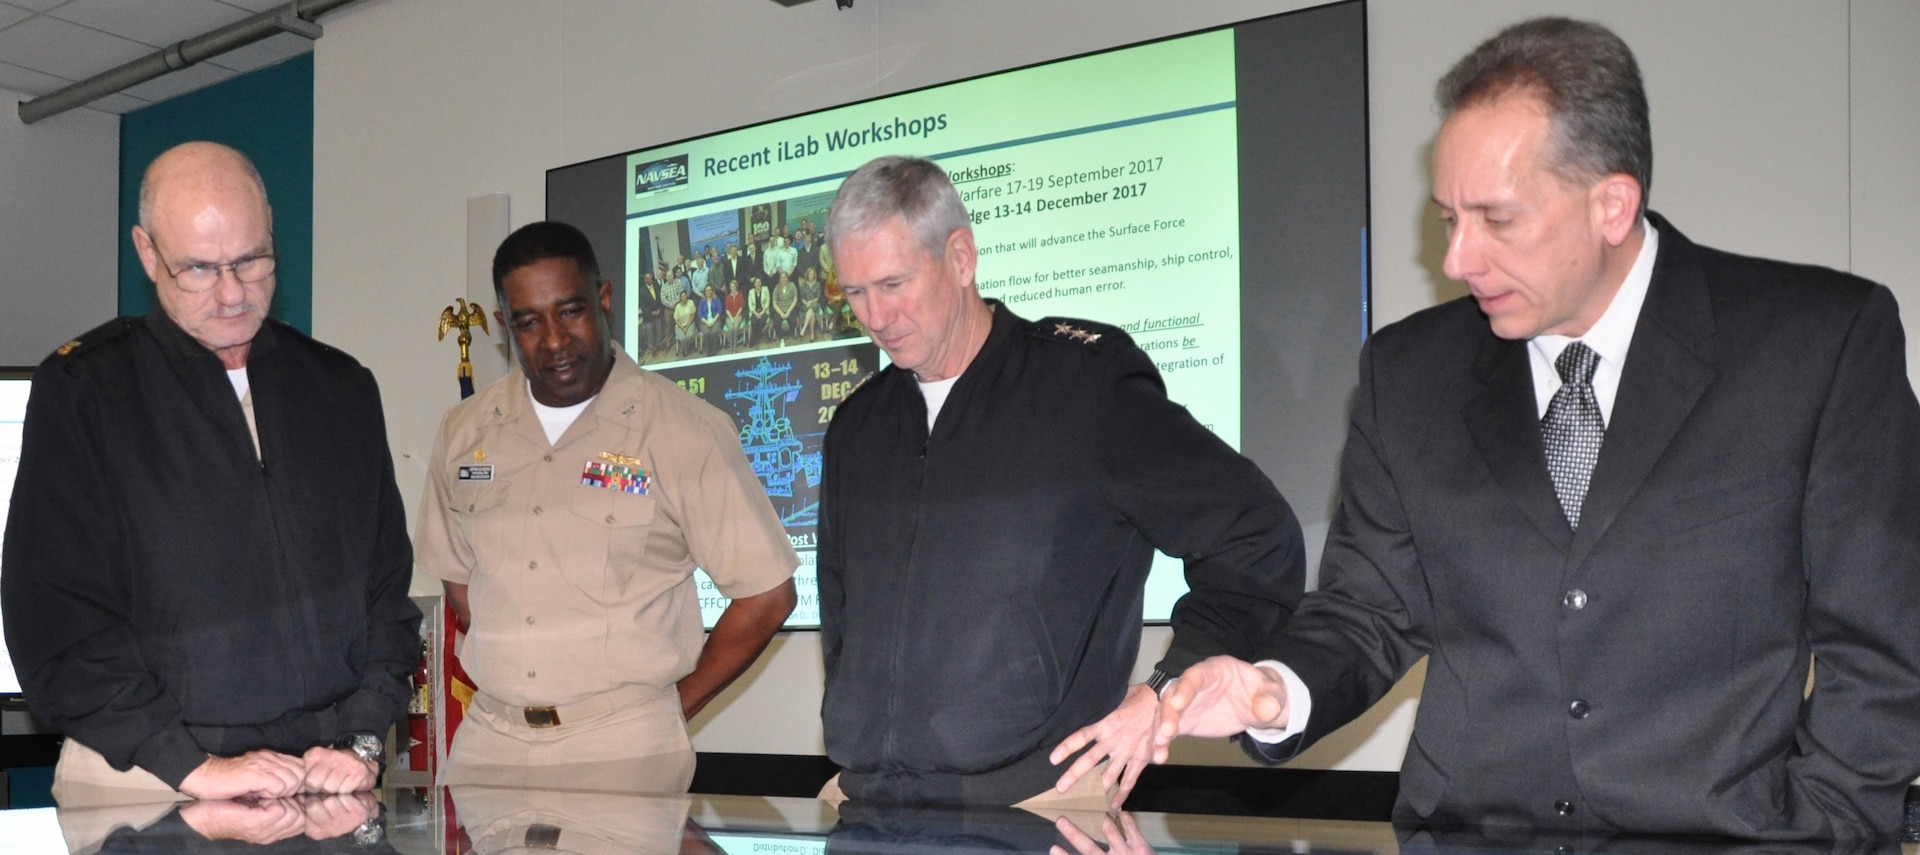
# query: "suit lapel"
[1668,368]
[1505,423]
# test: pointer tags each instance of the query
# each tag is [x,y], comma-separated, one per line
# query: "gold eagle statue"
[467,316]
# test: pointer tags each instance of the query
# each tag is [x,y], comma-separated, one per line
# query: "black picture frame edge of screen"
[1361,4]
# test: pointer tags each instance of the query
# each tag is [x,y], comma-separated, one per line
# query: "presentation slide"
[1175,189]
[1100,188]
[13,411]
[767,844]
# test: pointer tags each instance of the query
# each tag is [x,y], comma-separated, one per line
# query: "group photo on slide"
[741,281]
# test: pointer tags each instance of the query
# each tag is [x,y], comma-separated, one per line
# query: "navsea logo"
[660,176]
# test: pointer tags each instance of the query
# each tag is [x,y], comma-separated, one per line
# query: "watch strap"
[1159,680]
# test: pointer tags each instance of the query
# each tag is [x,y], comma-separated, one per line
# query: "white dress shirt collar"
[1609,337]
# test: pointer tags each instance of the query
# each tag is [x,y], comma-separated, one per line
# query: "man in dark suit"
[719,272]
[1620,497]
[654,324]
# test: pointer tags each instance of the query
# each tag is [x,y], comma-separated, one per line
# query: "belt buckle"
[542,837]
[542,717]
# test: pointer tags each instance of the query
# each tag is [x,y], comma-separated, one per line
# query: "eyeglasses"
[199,278]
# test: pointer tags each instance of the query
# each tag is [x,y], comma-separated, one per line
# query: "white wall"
[1782,128]
[59,207]
[1885,139]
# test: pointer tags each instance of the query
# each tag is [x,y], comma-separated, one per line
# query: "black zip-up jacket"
[980,587]
[168,594]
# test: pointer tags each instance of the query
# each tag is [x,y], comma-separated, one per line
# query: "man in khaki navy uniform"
[566,507]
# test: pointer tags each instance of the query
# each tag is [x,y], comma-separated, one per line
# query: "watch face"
[366,745]
[369,832]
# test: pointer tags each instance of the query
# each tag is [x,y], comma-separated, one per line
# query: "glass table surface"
[484,821]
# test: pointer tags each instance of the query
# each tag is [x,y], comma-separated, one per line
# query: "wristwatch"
[370,832]
[365,746]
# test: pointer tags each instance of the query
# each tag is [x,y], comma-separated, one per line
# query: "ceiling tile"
[156,23]
[180,82]
[249,5]
[118,103]
[26,81]
[10,15]
[263,53]
[56,47]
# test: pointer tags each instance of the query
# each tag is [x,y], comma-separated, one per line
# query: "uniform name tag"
[477,472]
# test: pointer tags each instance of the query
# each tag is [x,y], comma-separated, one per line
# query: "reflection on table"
[316,824]
[484,821]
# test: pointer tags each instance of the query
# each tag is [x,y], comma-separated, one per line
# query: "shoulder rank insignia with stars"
[67,348]
[1062,329]
[856,387]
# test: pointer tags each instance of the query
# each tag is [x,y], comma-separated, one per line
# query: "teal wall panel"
[266,114]
[30,787]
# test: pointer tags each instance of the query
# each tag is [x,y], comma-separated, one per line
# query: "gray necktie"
[1573,429]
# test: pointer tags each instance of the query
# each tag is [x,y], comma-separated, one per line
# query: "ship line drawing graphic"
[778,456]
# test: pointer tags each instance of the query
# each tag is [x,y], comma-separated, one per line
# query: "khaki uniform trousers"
[86,829]
[548,821]
[630,740]
[82,778]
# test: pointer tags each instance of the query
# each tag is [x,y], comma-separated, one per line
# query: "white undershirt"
[1609,338]
[242,389]
[936,395]
[555,420]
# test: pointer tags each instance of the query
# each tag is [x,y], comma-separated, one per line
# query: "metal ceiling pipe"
[296,17]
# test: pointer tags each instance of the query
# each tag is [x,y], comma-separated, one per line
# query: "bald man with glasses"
[206,555]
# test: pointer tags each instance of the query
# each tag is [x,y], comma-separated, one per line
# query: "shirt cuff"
[1299,706]
[171,755]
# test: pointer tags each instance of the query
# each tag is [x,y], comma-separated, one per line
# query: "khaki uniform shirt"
[579,556]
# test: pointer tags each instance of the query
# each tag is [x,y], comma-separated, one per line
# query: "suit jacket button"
[1563,807]
[1579,709]
[1575,599]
